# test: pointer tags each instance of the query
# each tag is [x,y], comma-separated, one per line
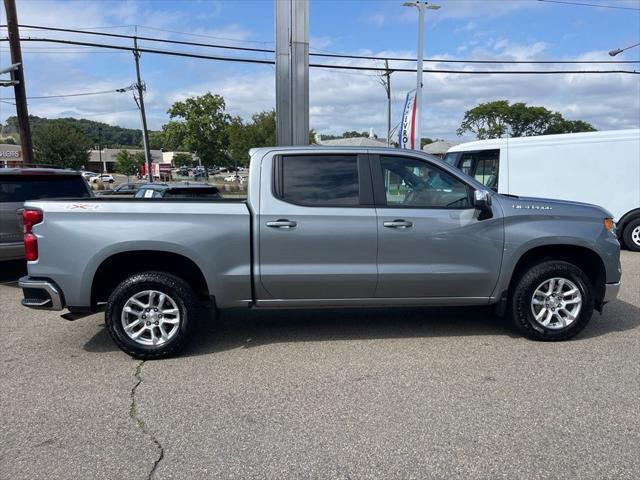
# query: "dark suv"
[18,185]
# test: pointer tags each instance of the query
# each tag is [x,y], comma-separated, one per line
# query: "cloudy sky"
[340,100]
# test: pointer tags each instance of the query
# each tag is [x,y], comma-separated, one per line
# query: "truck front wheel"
[552,301]
[151,315]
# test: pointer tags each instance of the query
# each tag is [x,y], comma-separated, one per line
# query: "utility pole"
[421,6]
[385,81]
[18,87]
[140,102]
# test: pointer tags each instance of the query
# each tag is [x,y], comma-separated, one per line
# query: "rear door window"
[319,180]
[20,188]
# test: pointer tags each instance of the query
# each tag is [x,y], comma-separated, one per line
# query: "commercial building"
[10,155]
[107,160]
[439,148]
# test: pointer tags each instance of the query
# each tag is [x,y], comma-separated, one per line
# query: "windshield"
[451,158]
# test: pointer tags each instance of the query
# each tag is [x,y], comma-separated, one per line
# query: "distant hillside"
[111,137]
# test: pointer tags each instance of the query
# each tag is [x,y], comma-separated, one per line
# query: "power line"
[148,39]
[201,35]
[325,55]
[58,51]
[320,65]
[119,90]
[581,4]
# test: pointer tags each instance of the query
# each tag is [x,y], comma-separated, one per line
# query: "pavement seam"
[134,414]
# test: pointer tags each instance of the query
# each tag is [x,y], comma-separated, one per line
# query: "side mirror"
[482,200]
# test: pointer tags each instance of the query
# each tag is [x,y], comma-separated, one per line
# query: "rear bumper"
[610,291]
[41,294]
[12,251]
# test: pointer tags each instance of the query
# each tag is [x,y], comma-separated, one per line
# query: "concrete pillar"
[292,72]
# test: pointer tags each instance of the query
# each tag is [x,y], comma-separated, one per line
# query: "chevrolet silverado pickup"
[321,227]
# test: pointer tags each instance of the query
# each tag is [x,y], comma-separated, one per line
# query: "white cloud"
[339,100]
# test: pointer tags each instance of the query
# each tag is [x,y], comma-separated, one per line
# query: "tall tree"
[199,124]
[182,159]
[127,163]
[487,120]
[499,118]
[60,143]
[259,132]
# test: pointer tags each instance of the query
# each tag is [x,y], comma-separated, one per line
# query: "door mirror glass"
[482,200]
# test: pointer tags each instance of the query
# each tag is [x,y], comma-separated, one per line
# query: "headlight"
[610,225]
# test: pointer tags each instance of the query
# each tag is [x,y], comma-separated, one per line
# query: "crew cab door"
[317,228]
[432,241]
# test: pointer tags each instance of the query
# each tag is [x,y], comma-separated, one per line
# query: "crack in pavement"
[133,413]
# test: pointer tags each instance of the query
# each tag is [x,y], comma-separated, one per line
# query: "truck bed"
[214,234]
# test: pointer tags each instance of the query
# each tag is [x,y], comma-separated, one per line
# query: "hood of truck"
[514,205]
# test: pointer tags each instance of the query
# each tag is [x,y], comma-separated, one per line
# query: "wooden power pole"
[19,87]
[385,81]
[140,87]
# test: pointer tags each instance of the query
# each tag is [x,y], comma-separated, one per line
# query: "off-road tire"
[174,287]
[526,284]
[627,235]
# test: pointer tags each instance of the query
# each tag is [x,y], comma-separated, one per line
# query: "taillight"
[29,219]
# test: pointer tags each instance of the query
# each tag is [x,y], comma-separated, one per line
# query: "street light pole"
[616,51]
[421,6]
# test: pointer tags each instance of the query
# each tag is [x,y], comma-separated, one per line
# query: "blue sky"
[461,29]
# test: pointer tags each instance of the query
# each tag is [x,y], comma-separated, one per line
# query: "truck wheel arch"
[584,258]
[119,266]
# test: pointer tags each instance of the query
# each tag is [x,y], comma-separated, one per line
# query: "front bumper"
[41,294]
[610,291]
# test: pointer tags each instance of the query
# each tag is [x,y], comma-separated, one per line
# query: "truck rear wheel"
[151,315]
[552,301]
[631,235]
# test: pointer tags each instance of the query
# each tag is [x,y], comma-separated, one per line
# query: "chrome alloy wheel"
[556,303]
[635,235]
[150,318]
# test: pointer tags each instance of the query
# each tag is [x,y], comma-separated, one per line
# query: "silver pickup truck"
[321,227]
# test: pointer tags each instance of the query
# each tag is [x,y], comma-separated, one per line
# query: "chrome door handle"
[282,223]
[398,224]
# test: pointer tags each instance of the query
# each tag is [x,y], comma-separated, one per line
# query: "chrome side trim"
[56,302]
[610,291]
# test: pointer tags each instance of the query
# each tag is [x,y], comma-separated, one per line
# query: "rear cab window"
[20,188]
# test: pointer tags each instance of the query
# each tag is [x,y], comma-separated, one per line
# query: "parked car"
[235,179]
[322,227]
[105,177]
[20,184]
[88,175]
[156,190]
[124,189]
[594,167]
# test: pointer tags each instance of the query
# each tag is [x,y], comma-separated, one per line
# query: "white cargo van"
[602,168]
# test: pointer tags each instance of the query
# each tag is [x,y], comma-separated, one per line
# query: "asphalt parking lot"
[412,393]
